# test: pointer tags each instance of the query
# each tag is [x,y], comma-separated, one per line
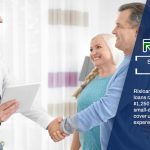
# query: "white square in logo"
[146,45]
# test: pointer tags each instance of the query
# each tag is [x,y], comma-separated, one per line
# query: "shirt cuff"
[68,125]
[39,116]
[44,121]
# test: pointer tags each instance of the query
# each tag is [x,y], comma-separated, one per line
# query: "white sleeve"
[38,115]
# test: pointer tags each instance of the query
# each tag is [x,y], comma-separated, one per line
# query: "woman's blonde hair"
[117,57]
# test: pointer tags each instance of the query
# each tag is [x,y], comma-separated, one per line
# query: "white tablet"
[25,94]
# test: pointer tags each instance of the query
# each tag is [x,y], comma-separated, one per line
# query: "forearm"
[39,116]
[82,121]
[100,111]
[75,141]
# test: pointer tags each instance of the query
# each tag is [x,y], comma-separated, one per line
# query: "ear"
[137,31]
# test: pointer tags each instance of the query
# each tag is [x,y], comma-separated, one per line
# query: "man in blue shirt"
[103,112]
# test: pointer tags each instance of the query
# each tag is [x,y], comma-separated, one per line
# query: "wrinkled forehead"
[1,20]
[124,17]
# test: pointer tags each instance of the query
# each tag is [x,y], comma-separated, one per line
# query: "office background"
[46,41]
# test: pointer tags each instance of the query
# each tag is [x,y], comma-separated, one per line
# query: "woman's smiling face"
[100,52]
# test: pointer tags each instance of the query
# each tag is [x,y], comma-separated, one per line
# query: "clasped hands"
[55,131]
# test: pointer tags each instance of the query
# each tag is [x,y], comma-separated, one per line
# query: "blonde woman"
[105,58]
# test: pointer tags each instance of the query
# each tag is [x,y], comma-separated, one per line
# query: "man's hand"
[54,130]
[7,109]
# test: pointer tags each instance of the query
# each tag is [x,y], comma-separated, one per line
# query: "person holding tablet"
[8,108]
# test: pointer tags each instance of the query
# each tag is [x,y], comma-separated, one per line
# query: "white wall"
[103,14]
[23,39]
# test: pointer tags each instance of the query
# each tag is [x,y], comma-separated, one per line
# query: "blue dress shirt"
[103,111]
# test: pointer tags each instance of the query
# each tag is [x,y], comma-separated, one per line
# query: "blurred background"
[46,41]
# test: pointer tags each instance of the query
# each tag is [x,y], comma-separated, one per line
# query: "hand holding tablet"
[7,109]
[24,94]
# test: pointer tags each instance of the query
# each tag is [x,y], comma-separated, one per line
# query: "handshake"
[55,131]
